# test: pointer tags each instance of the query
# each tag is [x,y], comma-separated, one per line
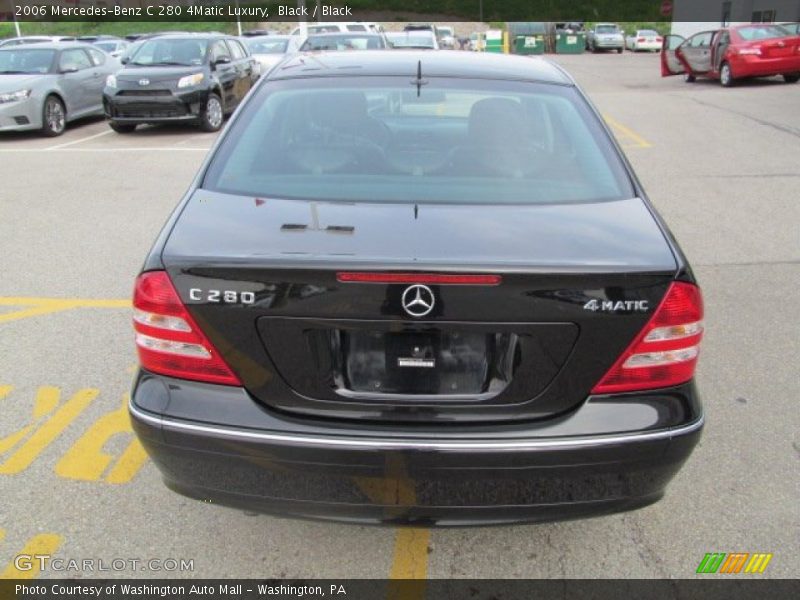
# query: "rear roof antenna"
[419,81]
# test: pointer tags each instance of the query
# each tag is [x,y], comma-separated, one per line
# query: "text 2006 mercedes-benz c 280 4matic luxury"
[417,288]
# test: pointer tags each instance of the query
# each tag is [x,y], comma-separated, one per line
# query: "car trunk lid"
[265,280]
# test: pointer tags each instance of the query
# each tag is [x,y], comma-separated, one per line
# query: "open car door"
[670,63]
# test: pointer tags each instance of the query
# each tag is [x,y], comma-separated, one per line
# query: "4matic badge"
[617,305]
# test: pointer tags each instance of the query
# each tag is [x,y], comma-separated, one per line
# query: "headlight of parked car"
[190,80]
[111,81]
[14,96]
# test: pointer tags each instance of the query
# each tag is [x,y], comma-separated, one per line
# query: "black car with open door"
[412,287]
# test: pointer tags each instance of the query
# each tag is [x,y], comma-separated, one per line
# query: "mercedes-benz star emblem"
[144,82]
[418,300]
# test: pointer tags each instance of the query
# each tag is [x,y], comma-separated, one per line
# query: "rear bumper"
[756,66]
[399,475]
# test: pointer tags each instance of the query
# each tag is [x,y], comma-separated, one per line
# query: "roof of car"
[50,46]
[434,64]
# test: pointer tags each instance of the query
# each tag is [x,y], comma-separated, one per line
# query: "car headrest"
[495,120]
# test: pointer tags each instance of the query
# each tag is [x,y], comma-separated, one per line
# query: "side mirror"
[222,60]
[125,60]
[66,70]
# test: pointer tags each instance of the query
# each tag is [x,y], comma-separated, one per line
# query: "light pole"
[16,23]
[238,19]
[303,23]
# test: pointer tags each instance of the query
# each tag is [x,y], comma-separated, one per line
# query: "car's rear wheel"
[689,78]
[122,127]
[791,77]
[619,50]
[212,115]
[726,75]
[54,117]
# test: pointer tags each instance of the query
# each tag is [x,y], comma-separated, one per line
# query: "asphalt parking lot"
[79,212]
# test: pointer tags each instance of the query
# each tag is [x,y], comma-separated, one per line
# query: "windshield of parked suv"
[166,52]
[266,46]
[761,32]
[647,33]
[607,29]
[342,42]
[25,60]
[382,140]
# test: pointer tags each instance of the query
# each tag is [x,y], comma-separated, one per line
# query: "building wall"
[687,14]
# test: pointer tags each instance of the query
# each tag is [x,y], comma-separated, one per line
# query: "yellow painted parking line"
[87,460]
[410,553]
[38,545]
[74,302]
[627,132]
[38,436]
[44,306]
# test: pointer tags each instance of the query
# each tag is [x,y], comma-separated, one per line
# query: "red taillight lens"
[641,40]
[665,351]
[429,278]
[168,340]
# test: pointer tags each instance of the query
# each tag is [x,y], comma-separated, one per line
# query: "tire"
[791,77]
[726,75]
[689,78]
[212,115]
[122,127]
[619,50]
[54,117]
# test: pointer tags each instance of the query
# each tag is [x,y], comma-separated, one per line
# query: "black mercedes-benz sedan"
[196,78]
[417,288]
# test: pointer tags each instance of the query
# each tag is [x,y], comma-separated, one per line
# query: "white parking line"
[103,149]
[80,141]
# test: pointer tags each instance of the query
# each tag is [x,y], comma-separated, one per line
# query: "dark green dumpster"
[527,37]
[528,44]
[570,43]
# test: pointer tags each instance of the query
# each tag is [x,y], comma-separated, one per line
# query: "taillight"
[168,340]
[665,351]
[641,40]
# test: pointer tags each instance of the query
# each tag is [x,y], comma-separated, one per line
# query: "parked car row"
[200,78]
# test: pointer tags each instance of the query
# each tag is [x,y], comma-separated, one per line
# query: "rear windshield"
[761,32]
[607,29]
[454,141]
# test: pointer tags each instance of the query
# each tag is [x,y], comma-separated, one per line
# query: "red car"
[755,50]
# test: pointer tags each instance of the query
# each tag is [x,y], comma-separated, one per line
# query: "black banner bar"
[266,11]
[733,587]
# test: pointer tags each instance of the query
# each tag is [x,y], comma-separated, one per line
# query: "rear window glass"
[458,141]
[607,29]
[761,32]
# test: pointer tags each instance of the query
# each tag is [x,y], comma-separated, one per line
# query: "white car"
[269,50]
[643,39]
